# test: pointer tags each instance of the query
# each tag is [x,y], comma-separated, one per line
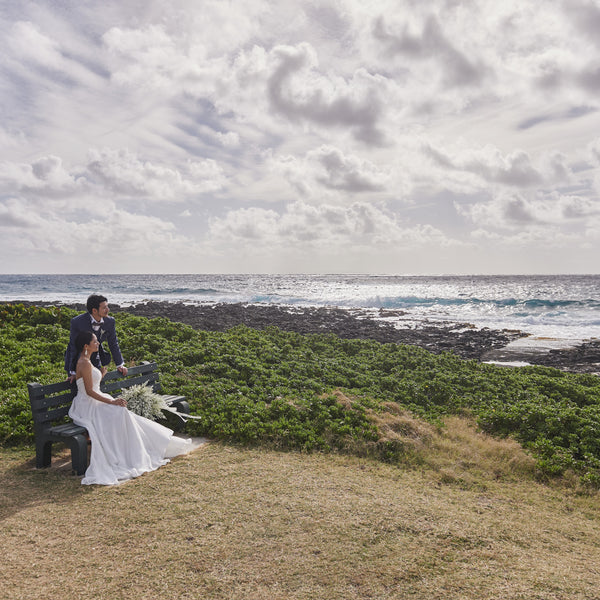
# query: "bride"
[124,445]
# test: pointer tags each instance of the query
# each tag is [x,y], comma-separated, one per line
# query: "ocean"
[561,307]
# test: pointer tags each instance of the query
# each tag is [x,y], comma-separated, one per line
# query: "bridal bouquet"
[141,400]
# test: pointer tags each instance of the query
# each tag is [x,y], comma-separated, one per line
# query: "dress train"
[124,445]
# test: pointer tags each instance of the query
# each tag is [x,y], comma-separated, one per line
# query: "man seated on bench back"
[96,320]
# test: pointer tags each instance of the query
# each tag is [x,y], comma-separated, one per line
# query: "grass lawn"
[234,523]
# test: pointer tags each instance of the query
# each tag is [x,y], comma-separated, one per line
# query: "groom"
[96,319]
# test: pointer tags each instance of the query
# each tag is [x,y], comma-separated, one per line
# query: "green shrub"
[275,388]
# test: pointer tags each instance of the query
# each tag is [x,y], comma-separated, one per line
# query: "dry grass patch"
[398,424]
[231,523]
[462,454]
[458,452]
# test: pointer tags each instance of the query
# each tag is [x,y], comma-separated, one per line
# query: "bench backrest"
[51,403]
[142,374]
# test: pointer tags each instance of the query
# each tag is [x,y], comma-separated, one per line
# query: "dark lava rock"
[586,356]
[462,339]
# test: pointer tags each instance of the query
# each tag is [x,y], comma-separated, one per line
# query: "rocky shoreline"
[463,339]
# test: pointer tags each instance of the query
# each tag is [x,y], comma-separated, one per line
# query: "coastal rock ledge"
[462,339]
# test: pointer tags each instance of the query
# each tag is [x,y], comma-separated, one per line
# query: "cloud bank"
[397,137]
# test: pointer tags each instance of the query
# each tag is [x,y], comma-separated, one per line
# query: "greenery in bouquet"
[141,400]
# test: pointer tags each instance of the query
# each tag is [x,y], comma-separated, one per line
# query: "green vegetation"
[319,392]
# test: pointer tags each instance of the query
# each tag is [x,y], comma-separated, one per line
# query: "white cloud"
[325,226]
[230,139]
[45,176]
[327,172]
[120,233]
[346,173]
[15,216]
[123,173]
[283,132]
[28,43]
[517,211]
[514,170]
[147,57]
[585,16]
[594,150]
[105,235]
[299,92]
[455,68]
[112,172]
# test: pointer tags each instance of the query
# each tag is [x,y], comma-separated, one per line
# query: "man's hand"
[71,378]
[122,370]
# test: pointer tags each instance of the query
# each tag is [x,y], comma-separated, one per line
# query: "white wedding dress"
[124,445]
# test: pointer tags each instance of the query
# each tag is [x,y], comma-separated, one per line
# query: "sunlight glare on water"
[565,306]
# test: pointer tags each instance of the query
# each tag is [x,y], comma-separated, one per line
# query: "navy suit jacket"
[107,333]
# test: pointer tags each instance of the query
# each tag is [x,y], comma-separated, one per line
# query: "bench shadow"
[24,486]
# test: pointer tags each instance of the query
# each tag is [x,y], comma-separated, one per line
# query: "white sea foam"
[562,307]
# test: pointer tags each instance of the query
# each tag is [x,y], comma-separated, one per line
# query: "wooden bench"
[50,406]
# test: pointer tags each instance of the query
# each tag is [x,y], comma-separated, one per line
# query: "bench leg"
[79,453]
[177,422]
[43,454]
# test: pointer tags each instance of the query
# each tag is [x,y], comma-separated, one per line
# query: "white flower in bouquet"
[141,400]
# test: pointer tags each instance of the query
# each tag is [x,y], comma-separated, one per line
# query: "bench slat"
[36,390]
[67,430]
[52,415]
[122,384]
[140,369]
[46,403]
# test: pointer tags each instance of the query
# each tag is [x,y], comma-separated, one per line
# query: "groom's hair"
[94,301]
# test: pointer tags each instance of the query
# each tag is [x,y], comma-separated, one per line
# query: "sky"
[339,136]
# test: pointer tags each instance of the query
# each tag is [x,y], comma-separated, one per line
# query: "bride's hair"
[83,338]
